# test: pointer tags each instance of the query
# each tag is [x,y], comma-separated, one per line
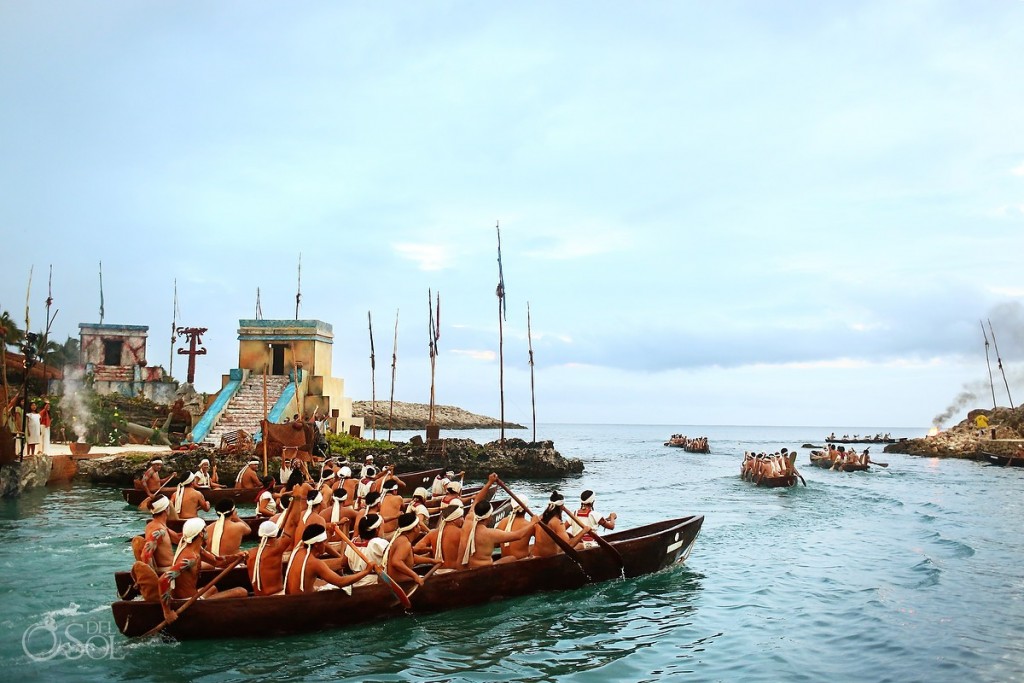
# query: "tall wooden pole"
[991,383]
[174,328]
[500,291]
[433,353]
[1000,362]
[394,366]
[265,424]
[298,292]
[533,396]
[373,380]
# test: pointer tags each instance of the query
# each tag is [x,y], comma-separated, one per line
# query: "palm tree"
[10,334]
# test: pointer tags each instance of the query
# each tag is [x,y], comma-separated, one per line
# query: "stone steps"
[245,410]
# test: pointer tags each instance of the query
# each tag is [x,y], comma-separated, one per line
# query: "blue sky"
[720,213]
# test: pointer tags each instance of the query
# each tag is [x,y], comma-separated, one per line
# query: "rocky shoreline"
[965,440]
[417,416]
[517,459]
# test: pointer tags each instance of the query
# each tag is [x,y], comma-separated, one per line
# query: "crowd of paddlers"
[840,455]
[757,466]
[695,445]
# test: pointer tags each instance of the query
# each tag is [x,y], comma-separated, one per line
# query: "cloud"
[1018,170]
[428,257]
[476,354]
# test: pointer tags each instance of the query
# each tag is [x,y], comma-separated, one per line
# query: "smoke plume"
[74,408]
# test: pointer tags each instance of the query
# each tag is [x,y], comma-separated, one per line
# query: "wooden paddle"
[144,505]
[206,589]
[600,541]
[402,596]
[568,549]
[425,577]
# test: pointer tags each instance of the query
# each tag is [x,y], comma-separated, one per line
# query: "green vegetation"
[343,445]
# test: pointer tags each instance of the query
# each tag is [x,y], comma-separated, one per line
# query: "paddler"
[225,535]
[247,477]
[418,506]
[390,507]
[285,472]
[476,547]
[591,518]
[205,479]
[151,481]
[266,501]
[517,520]
[157,550]
[400,560]
[543,545]
[266,572]
[187,500]
[443,541]
[370,545]
[305,565]
[180,581]
[341,518]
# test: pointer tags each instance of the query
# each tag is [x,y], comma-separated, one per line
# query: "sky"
[755,213]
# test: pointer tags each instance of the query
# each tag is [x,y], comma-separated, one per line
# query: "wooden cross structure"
[193,334]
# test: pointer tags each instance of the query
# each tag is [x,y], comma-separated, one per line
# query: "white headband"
[204,461]
[517,506]
[189,479]
[377,523]
[589,501]
[160,504]
[412,525]
[268,529]
[254,462]
[157,461]
[322,536]
[316,501]
[456,513]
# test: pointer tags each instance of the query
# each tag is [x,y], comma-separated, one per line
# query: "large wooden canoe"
[136,496]
[826,464]
[126,589]
[643,550]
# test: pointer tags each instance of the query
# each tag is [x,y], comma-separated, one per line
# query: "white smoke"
[73,404]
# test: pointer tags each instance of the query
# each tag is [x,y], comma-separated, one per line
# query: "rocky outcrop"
[965,440]
[417,416]
[31,472]
[516,459]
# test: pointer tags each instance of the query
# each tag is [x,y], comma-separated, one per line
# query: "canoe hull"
[1003,460]
[644,550]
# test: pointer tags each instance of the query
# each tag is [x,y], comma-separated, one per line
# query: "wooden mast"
[1000,362]
[394,366]
[174,328]
[988,362]
[533,396]
[500,291]
[373,381]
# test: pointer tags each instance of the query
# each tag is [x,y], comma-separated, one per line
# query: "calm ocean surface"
[911,573]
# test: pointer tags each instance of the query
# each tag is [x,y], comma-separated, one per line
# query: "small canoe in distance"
[136,496]
[643,550]
[825,463]
[1002,460]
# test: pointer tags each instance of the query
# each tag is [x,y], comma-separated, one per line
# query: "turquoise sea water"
[910,573]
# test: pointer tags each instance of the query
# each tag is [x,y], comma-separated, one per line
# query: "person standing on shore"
[33,429]
[45,420]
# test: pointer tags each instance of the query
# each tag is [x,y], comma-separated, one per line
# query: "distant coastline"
[417,416]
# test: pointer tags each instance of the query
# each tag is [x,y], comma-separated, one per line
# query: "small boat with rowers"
[636,552]
[695,445]
[842,460]
[771,470]
[857,438]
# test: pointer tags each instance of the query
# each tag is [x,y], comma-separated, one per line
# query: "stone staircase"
[245,409]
